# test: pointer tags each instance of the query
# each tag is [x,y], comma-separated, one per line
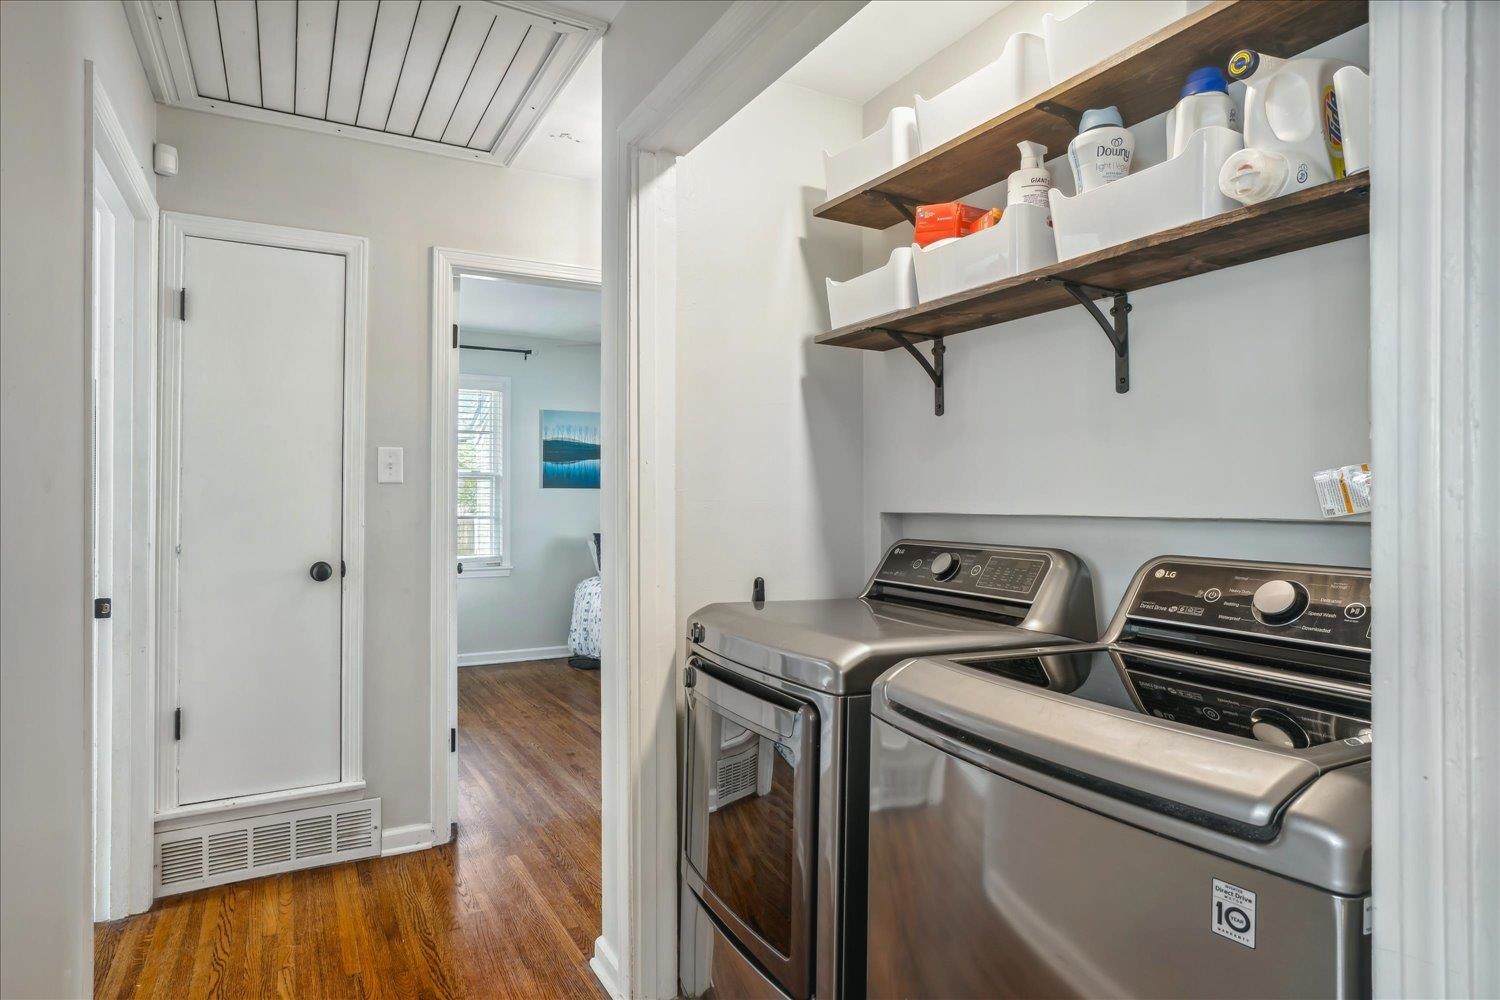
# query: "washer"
[777,749]
[1192,822]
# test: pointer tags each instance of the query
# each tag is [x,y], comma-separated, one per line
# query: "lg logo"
[1166,574]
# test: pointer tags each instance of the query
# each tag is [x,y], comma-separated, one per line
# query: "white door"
[260,507]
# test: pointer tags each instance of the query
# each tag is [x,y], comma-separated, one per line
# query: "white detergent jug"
[1292,135]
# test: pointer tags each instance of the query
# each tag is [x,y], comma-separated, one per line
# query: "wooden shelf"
[1143,80]
[1324,214]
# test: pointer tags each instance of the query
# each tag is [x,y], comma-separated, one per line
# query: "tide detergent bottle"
[1292,135]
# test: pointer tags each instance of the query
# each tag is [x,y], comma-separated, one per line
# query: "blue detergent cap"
[1205,79]
[1099,117]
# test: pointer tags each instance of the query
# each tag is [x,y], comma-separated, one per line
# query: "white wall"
[768,442]
[1243,383]
[532,607]
[46,943]
[405,202]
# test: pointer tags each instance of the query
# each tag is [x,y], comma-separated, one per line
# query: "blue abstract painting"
[570,450]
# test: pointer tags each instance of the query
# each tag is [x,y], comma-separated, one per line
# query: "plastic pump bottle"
[1204,101]
[1029,184]
[1102,151]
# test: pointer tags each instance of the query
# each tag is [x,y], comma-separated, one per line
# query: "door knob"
[320,571]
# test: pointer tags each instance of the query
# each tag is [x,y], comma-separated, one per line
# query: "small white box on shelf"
[888,288]
[1100,29]
[1184,189]
[885,149]
[1019,73]
[1021,241]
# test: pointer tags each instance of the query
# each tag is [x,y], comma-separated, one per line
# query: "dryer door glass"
[752,770]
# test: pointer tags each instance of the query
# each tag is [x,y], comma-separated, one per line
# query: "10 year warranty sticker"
[1234,913]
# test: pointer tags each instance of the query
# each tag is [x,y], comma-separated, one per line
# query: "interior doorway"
[516,541]
[121,301]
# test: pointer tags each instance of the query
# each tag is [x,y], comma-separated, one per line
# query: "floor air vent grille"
[213,854]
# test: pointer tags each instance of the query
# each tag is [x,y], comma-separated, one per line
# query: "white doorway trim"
[176,229]
[447,266]
[1435,533]
[751,45]
[123,750]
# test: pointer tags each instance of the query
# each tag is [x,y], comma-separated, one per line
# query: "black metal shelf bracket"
[933,368]
[905,206]
[1118,332]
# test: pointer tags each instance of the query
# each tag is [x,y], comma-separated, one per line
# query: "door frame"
[122,860]
[750,46]
[176,229]
[1435,432]
[448,264]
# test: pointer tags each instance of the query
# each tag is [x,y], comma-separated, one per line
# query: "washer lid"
[1218,781]
[841,646]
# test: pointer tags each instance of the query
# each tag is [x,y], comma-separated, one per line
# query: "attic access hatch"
[469,79]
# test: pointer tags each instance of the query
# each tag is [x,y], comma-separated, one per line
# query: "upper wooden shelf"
[1324,214]
[1143,81]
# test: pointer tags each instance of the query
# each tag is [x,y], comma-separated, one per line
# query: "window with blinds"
[482,492]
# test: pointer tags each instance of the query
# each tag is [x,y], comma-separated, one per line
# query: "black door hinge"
[453,741]
[182,304]
[455,334]
[103,607]
[177,725]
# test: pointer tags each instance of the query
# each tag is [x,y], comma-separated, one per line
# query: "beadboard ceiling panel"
[468,78]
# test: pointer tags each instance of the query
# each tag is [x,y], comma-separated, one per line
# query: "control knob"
[1279,602]
[1273,726]
[945,566]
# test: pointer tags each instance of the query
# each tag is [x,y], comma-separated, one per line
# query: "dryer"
[775,773]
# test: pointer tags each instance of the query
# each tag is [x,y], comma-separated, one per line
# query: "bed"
[584,630]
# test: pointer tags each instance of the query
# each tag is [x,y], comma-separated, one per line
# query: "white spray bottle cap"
[1031,154]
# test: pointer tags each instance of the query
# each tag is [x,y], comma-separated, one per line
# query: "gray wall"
[1243,383]
[406,202]
[768,441]
[532,607]
[46,942]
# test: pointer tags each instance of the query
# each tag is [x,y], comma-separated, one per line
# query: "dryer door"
[752,770]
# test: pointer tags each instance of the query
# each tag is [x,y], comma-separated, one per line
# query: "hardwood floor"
[511,909]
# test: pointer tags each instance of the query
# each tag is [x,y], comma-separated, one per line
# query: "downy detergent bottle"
[1292,136]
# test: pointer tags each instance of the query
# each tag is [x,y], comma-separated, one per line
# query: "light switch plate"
[390,465]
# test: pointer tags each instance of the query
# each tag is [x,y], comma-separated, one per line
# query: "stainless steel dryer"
[776,754]
[1209,839]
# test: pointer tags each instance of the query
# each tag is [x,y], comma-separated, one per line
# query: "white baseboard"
[512,655]
[606,968]
[404,839]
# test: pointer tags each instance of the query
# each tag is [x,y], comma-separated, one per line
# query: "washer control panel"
[1325,607]
[972,570]
[1275,721]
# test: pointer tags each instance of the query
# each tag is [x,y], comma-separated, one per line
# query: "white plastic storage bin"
[1019,73]
[1021,241]
[889,287]
[1096,32]
[1184,189]
[887,148]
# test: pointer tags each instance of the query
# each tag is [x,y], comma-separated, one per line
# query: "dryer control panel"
[1315,606]
[1011,574]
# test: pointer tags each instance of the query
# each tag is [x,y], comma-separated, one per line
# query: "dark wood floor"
[511,909]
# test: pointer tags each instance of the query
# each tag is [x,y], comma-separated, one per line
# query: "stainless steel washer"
[777,749]
[1198,827]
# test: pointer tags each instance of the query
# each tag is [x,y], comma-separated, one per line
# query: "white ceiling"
[501,307]
[886,40]
[467,78]
[568,140]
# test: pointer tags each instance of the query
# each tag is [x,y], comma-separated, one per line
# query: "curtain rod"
[525,352]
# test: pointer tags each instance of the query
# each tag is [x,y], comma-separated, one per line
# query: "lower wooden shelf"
[1324,214]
